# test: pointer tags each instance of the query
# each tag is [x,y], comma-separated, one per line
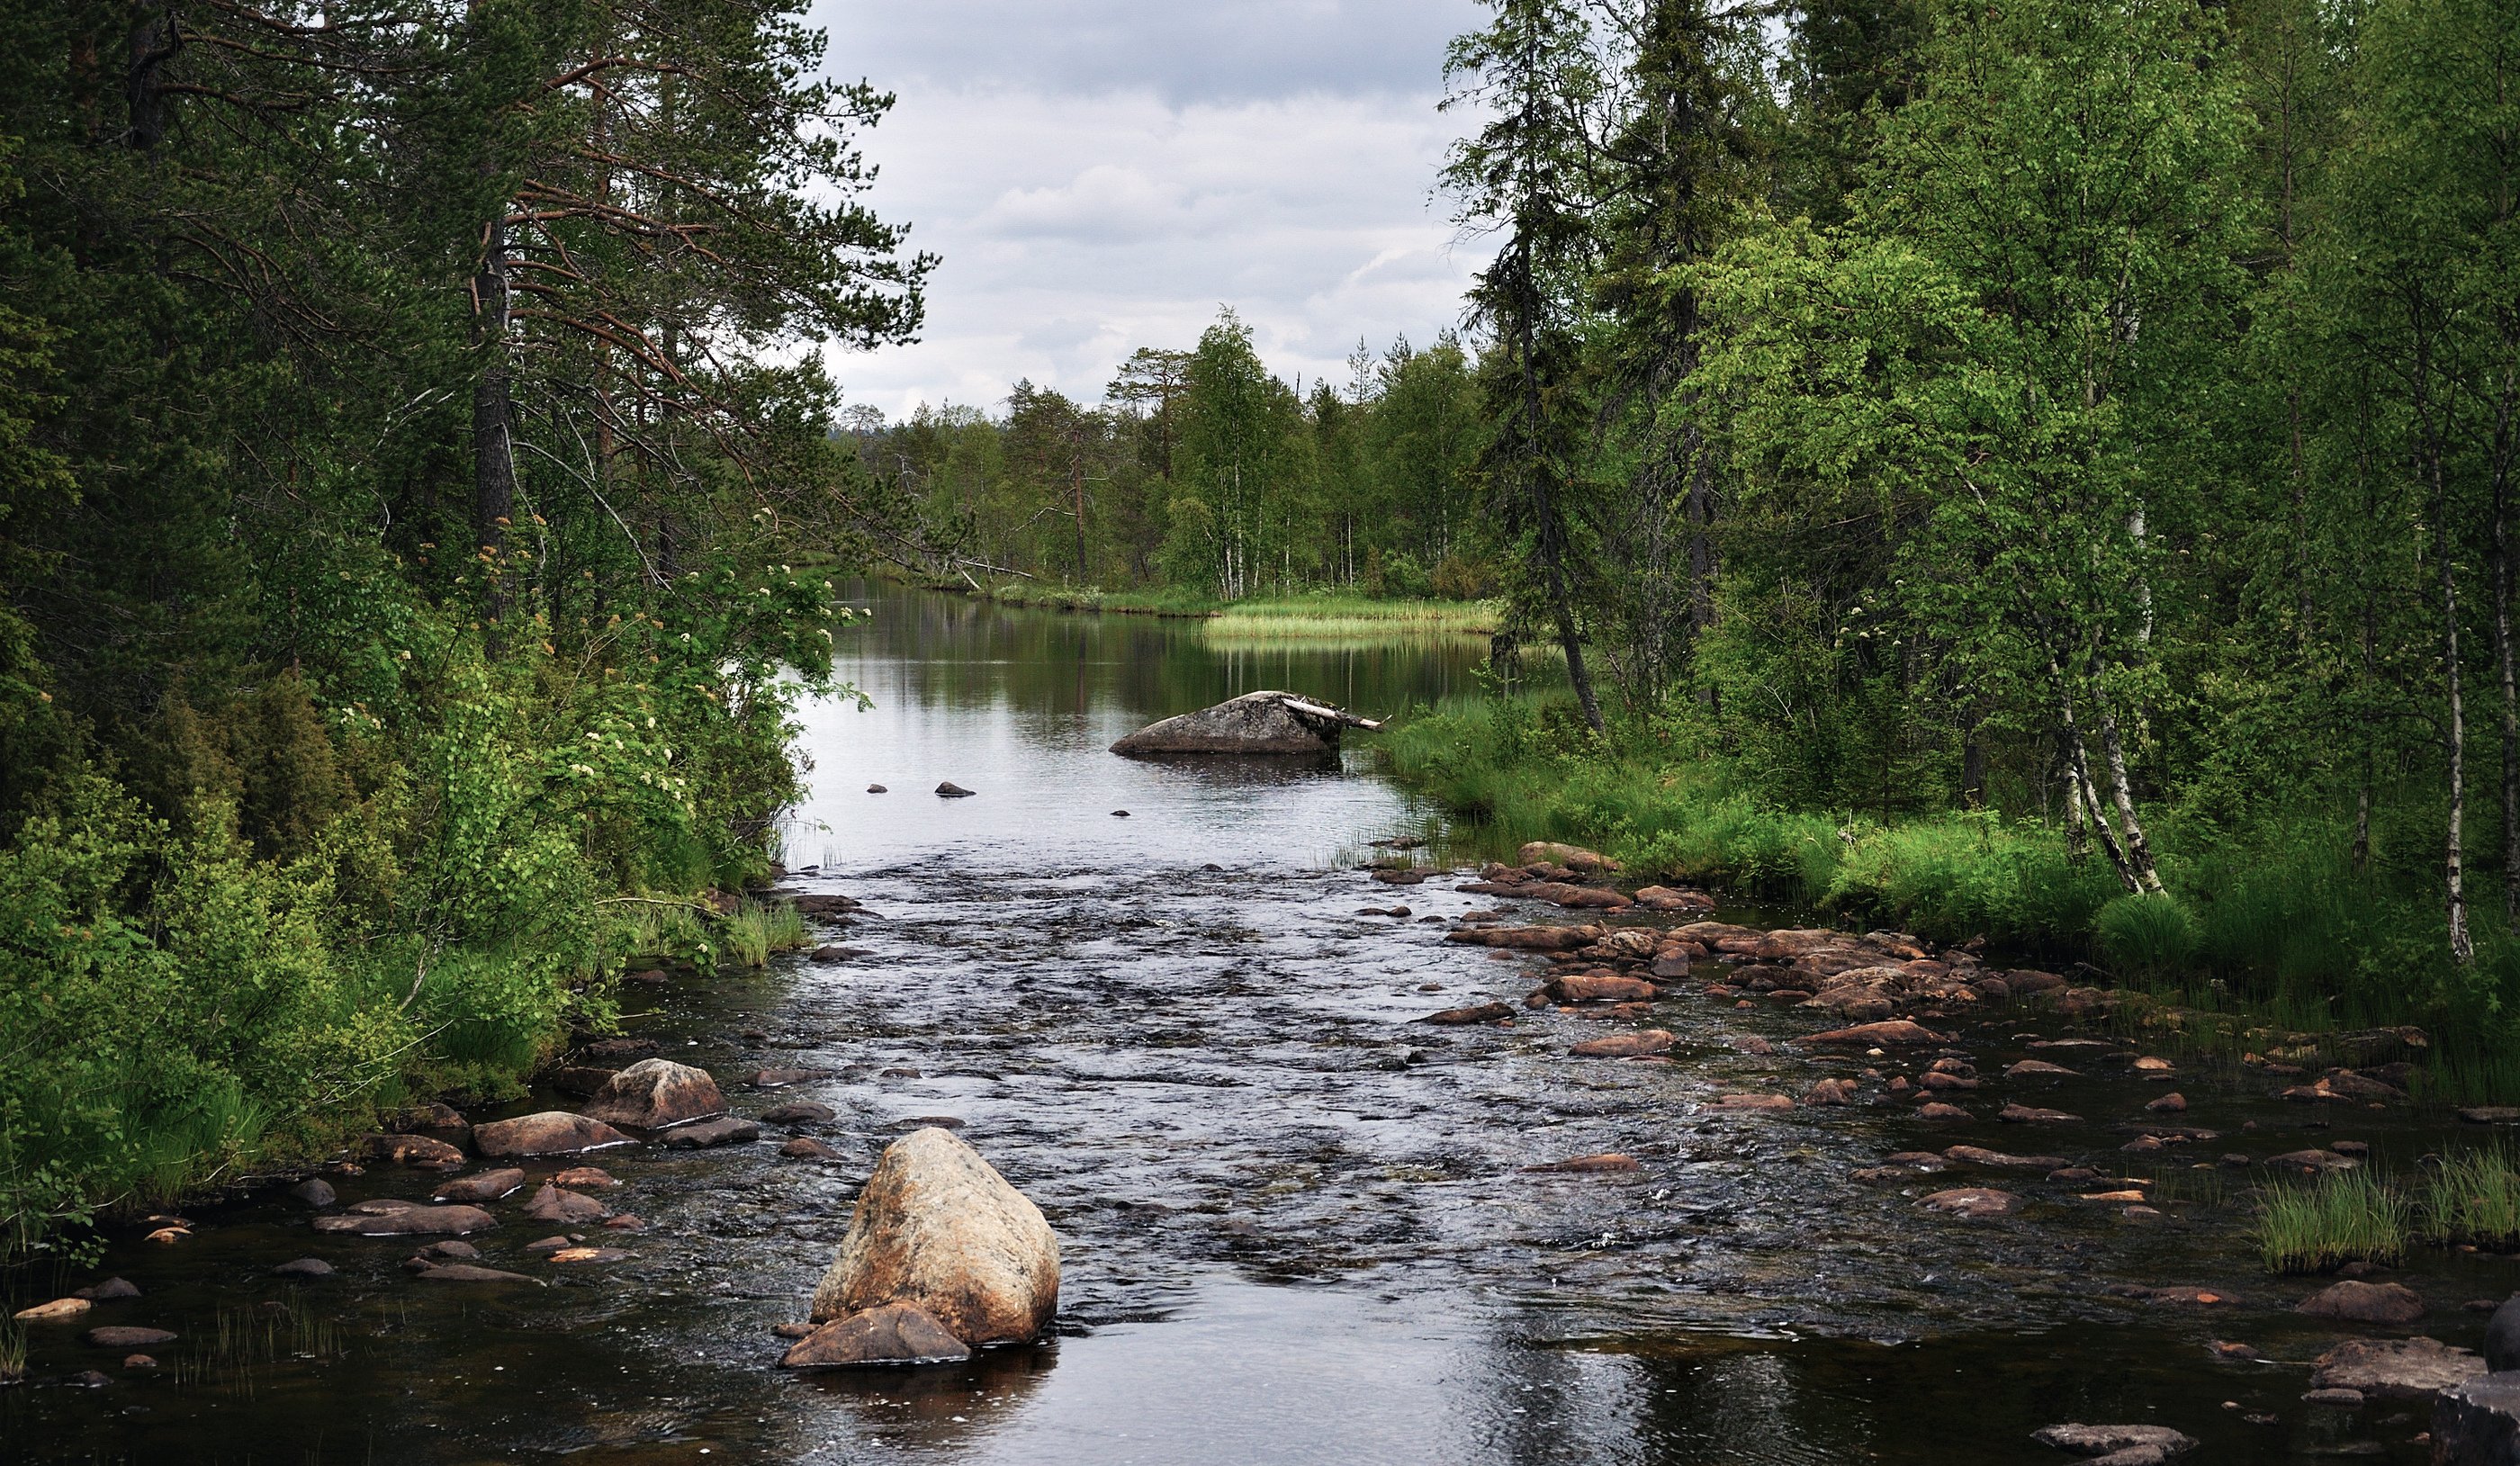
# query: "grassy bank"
[2273,918]
[1319,614]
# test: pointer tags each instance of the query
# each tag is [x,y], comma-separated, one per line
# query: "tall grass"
[2343,1217]
[753,931]
[13,1352]
[2473,1196]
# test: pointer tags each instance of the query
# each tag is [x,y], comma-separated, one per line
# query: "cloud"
[1089,198]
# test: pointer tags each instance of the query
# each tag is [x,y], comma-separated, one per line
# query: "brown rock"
[798,1112]
[936,1226]
[1572,857]
[1524,938]
[1592,987]
[1830,1091]
[589,1254]
[1644,1042]
[1590,897]
[1754,1102]
[424,1151]
[1477,1012]
[658,1093]
[2022,1114]
[1665,899]
[726,1129]
[1937,1110]
[552,1204]
[2169,1105]
[489,1186]
[119,1336]
[2392,1304]
[550,1132]
[780,1078]
[410,1222]
[1997,1159]
[1895,1033]
[2414,1368]
[468,1272]
[1934,1079]
[579,1177]
[1970,1202]
[1607,1161]
[59,1311]
[805,1148]
[898,1333]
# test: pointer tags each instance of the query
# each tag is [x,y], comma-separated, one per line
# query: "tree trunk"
[2139,850]
[494,458]
[2085,793]
[2462,946]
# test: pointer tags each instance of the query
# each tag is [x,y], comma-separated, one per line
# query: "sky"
[1100,175]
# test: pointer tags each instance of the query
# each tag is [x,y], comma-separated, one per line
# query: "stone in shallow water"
[1645,1042]
[2365,1302]
[121,1336]
[1970,1202]
[315,1192]
[410,1222]
[723,1132]
[555,1204]
[550,1132]
[937,1227]
[2477,1422]
[2414,1368]
[654,1094]
[489,1186]
[2116,1442]
[898,1333]
[303,1267]
[467,1272]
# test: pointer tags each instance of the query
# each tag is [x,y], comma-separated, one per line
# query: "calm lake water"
[1296,1224]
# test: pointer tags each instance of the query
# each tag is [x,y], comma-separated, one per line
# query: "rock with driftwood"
[1255,723]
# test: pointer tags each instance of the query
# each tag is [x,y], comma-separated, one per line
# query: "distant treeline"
[1201,472]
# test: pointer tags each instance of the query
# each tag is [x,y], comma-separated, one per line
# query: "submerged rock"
[1970,1201]
[122,1336]
[935,1225]
[424,1151]
[1643,1043]
[469,1272]
[309,1267]
[2365,1302]
[897,1333]
[2414,1368]
[657,1093]
[1583,1165]
[315,1192]
[1255,723]
[2120,1444]
[1478,1012]
[410,1222]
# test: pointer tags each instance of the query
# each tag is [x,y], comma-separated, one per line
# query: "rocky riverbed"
[1678,1185]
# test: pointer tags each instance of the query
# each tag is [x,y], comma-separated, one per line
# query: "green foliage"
[2146,938]
[2342,1217]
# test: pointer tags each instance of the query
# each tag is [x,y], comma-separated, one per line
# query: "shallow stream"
[1296,1223]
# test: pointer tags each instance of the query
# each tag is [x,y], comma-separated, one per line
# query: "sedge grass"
[2473,1196]
[2343,1217]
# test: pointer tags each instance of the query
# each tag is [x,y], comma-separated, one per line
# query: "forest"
[403,544]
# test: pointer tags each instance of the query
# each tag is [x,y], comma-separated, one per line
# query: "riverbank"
[1316,614]
[2272,920]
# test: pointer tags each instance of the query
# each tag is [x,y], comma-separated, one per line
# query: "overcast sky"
[1104,174]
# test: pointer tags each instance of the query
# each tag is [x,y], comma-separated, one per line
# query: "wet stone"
[316,1192]
[125,1336]
[2118,1444]
[303,1267]
[488,1185]
[798,1112]
[2365,1302]
[109,1290]
[2414,1368]
[1968,1202]
[706,1133]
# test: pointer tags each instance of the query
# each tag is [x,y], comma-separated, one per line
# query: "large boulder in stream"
[938,1227]
[654,1094]
[1253,723]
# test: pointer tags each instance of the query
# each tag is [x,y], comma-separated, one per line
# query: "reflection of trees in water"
[963,652]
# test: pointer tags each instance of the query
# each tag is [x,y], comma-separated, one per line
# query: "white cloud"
[1274,156]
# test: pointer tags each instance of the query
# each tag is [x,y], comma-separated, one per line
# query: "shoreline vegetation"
[2271,931]
[1315,613]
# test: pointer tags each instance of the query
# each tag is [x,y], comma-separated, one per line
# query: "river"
[1296,1224]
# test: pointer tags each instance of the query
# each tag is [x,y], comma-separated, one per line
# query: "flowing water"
[1295,1225]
